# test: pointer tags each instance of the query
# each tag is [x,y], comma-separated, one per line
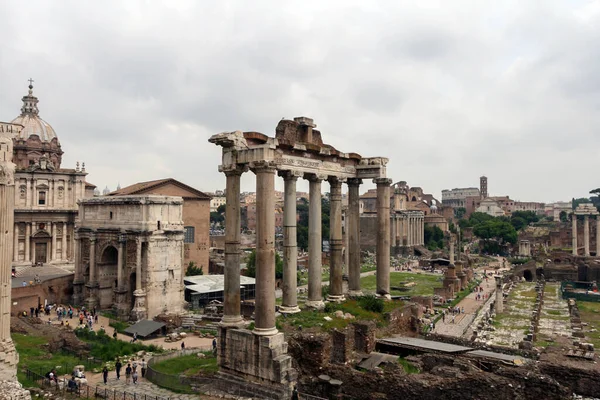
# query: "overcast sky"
[448,91]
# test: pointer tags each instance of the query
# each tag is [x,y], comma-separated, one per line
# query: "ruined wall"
[57,290]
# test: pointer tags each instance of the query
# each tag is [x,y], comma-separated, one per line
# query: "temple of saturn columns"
[8,355]
[296,151]
[586,210]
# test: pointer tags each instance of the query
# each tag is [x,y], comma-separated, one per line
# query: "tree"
[302,208]
[563,216]
[193,270]
[500,231]
[221,209]
[518,223]
[460,212]
[251,265]
[216,218]
[434,236]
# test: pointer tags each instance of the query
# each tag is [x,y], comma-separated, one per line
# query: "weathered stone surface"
[13,390]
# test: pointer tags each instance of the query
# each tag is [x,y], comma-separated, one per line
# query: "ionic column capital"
[233,170]
[382,181]
[263,166]
[315,177]
[354,181]
[289,175]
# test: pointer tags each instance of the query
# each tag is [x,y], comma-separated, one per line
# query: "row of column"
[409,226]
[30,252]
[586,234]
[265,236]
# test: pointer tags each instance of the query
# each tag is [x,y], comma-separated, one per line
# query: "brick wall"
[57,290]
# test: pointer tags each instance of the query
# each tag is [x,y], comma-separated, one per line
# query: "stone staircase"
[46,270]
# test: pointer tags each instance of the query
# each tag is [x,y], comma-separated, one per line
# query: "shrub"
[371,303]
[106,348]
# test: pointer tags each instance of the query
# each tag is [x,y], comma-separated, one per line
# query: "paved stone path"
[471,306]
[142,388]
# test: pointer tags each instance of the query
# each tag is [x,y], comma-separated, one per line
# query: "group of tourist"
[453,312]
[131,373]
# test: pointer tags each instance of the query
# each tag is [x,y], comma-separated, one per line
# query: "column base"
[355,293]
[315,304]
[139,312]
[232,321]
[336,298]
[383,296]
[92,300]
[265,331]
[289,309]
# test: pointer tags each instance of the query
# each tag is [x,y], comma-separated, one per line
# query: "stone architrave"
[232,316]
[8,355]
[315,297]
[354,237]
[265,249]
[383,236]
[289,303]
[336,290]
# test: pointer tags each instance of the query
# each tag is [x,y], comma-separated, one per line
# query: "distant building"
[490,206]
[456,198]
[196,215]
[217,200]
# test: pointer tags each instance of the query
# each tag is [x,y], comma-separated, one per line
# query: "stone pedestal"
[139,311]
[256,359]
[461,275]
[121,307]
[91,300]
[451,282]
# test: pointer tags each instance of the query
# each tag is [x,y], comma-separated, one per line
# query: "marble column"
[394,232]
[139,308]
[499,296]
[289,304]
[53,226]
[597,235]
[63,243]
[232,316]
[120,255]
[336,290]
[315,297]
[451,251]
[574,233]
[353,233]
[121,305]
[383,236]
[264,320]
[27,241]
[586,235]
[92,285]
[78,278]
[16,243]
[8,354]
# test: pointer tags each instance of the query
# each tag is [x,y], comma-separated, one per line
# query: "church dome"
[31,121]
[37,139]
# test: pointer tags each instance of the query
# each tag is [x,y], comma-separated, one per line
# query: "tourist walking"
[128,374]
[135,377]
[143,365]
[182,345]
[105,374]
[118,366]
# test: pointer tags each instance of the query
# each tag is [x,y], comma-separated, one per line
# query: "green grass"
[590,313]
[408,367]
[34,356]
[311,318]
[120,326]
[189,365]
[424,283]
[108,349]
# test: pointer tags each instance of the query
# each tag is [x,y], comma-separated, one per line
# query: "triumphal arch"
[296,151]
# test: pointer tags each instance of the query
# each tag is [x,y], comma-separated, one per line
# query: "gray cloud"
[448,93]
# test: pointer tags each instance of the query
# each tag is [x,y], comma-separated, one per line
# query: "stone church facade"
[130,255]
[46,195]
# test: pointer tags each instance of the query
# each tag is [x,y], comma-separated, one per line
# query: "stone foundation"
[244,356]
[8,360]
[12,390]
